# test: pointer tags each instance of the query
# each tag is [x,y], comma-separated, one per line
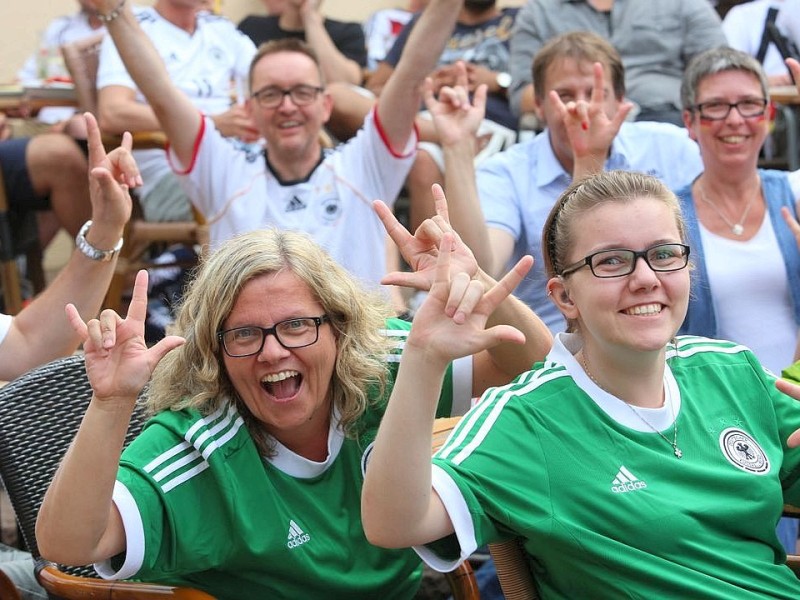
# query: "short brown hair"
[581,46]
[284,45]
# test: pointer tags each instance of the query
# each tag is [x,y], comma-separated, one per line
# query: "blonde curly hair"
[194,376]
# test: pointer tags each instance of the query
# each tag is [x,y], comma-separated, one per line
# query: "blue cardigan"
[700,318]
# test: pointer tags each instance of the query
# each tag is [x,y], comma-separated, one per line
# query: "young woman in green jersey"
[247,481]
[631,462]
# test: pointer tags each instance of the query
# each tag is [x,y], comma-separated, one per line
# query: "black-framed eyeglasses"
[717,111]
[291,333]
[272,96]
[619,262]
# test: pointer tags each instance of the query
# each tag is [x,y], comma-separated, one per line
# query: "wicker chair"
[40,413]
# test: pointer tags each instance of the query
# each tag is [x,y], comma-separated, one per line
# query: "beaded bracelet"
[113,14]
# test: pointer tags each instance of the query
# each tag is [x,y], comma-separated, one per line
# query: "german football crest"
[743,452]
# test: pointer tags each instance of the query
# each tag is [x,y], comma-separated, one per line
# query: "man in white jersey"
[205,55]
[295,184]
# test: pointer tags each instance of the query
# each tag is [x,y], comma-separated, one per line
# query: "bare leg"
[57,167]
[48,226]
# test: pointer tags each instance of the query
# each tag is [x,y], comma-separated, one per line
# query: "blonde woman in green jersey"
[631,462]
[247,481]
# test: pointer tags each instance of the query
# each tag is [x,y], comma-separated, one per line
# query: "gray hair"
[718,60]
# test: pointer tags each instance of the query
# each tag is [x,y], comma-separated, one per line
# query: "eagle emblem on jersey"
[743,452]
[329,208]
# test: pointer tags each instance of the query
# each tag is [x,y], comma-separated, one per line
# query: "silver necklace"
[674,443]
[736,228]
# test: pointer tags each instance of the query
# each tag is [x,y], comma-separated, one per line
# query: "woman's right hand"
[118,362]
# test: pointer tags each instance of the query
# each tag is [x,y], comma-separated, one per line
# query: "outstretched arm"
[335,65]
[400,98]
[457,120]
[78,523]
[398,505]
[178,117]
[37,335]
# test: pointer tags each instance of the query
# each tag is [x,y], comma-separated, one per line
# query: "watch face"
[504,80]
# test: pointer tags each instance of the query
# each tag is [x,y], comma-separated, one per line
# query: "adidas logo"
[297,537]
[295,204]
[625,481]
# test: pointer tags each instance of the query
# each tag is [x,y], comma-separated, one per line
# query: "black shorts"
[19,188]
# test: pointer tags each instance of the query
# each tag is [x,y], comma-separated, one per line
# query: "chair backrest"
[39,415]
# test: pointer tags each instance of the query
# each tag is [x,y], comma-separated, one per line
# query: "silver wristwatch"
[90,251]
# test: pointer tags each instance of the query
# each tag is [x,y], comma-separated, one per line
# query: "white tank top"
[751,294]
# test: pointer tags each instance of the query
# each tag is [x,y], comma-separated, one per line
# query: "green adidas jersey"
[604,507]
[201,507]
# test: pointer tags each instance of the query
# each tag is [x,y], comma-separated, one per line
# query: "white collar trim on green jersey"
[297,466]
[564,348]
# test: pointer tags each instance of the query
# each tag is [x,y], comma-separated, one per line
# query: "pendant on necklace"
[678,452]
[737,229]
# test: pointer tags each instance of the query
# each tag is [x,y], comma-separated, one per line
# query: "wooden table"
[784,94]
[16,97]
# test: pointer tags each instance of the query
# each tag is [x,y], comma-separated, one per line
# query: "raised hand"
[456,117]
[590,130]
[451,322]
[111,176]
[421,250]
[118,361]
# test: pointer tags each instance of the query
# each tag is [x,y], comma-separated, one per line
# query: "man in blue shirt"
[518,187]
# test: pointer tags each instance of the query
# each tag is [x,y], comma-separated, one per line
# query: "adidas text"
[298,541]
[628,487]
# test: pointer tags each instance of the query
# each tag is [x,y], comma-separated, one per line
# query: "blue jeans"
[18,565]
[787,534]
